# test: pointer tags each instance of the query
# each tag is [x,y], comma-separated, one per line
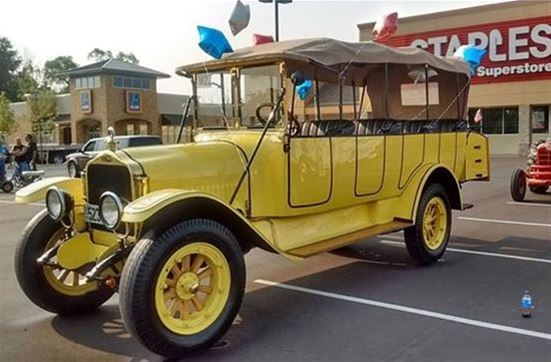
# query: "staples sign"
[517,50]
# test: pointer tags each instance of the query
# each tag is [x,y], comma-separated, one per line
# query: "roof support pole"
[354,100]
[427,91]
[317,100]
[361,102]
[387,93]
[340,97]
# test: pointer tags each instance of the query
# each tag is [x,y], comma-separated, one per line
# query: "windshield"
[215,100]
[259,86]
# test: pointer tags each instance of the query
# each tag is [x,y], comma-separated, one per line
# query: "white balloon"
[240,17]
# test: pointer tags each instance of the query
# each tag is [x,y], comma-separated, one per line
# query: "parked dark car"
[76,162]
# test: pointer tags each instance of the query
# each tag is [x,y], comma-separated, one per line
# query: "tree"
[9,64]
[28,79]
[8,124]
[54,70]
[43,113]
[99,55]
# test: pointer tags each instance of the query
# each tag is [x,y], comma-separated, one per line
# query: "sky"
[163,34]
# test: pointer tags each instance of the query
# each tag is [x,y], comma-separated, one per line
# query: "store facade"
[512,86]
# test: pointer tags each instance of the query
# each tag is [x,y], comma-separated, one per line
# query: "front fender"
[37,190]
[150,206]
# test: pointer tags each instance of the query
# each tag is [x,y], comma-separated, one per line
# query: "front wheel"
[52,288]
[180,291]
[518,185]
[426,241]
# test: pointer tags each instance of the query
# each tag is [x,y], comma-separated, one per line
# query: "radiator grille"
[101,178]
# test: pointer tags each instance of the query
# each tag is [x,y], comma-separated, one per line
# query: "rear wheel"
[518,185]
[54,289]
[426,241]
[180,291]
[7,187]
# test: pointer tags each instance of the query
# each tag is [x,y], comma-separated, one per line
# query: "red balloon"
[262,39]
[385,27]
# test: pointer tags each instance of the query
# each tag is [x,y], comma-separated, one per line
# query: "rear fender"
[163,209]
[425,177]
[37,190]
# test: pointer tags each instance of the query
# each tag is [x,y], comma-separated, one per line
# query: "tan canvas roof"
[331,54]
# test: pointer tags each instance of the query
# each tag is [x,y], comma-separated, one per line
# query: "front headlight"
[110,210]
[58,203]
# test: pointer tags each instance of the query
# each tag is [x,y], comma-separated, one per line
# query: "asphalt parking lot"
[368,301]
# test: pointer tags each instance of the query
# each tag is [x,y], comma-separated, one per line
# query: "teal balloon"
[471,55]
[304,89]
[213,42]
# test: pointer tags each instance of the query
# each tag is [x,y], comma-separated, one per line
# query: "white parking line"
[8,202]
[483,253]
[528,204]
[401,308]
[504,221]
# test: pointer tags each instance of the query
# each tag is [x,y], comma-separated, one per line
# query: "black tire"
[72,169]
[139,277]
[518,185]
[31,276]
[7,187]
[541,190]
[414,238]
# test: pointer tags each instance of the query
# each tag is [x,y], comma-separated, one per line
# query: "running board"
[347,239]
[466,206]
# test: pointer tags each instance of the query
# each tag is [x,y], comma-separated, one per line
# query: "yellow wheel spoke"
[175,271]
[197,303]
[197,262]
[75,279]
[184,309]
[63,275]
[207,289]
[205,274]
[174,307]
[186,263]
[171,294]
[171,282]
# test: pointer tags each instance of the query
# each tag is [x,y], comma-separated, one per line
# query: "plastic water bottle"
[526,304]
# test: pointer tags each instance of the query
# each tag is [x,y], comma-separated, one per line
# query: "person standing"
[3,157]
[18,151]
[31,154]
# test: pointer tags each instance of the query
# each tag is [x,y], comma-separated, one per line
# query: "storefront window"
[497,120]
[539,116]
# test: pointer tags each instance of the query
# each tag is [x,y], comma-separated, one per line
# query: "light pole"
[276,13]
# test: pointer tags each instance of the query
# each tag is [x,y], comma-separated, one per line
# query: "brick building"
[110,93]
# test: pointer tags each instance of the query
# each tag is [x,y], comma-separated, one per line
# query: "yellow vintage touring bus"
[296,147]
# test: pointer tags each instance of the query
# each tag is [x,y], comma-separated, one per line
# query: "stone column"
[524,129]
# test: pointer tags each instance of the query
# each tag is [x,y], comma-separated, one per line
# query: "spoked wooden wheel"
[181,290]
[192,288]
[51,287]
[426,241]
[434,223]
[68,282]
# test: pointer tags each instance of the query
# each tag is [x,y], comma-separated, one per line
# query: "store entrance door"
[539,122]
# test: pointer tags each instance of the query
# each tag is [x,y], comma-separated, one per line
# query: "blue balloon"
[471,55]
[213,42]
[304,88]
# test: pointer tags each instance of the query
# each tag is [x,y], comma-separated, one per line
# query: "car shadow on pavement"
[102,330]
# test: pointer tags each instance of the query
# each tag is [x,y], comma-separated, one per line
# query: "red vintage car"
[538,173]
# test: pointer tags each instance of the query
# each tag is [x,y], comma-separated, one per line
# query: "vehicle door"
[88,152]
[477,162]
[310,171]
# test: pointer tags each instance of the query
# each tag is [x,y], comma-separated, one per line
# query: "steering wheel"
[259,108]
[294,127]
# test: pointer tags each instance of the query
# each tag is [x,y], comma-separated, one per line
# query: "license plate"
[92,214]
